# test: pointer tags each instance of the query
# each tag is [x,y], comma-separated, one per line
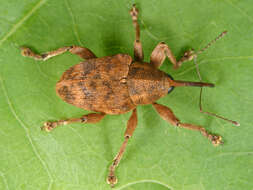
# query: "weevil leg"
[167,114]
[131,125]
[138,52]
[83,52]
[162,51]
[89,118]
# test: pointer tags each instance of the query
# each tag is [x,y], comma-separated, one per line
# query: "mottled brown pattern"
[97,76]
[87,68]
[95,84]
[146,84]
[65,92]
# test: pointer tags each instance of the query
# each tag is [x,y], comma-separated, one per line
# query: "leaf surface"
[158,156]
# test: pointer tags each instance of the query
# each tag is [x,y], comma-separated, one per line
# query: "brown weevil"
[118,84]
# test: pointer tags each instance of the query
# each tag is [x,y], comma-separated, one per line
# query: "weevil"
[119,83]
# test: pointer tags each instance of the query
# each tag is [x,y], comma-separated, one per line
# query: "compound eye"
[172,87]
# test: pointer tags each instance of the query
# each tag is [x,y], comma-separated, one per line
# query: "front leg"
[138,52]
[167,114]
[162,51]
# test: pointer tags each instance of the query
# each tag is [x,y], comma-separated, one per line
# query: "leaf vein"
[19,23]
[145,181]
[26,132]
[240,10]
[73,22]
[5,180]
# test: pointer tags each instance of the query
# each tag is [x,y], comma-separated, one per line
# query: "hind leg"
[89,118]
[82,52]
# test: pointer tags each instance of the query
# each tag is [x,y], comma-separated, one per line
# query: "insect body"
[113,84]
[98,85]
[118,84]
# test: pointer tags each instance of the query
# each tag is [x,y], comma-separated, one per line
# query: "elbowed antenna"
[197,69]
[212,42]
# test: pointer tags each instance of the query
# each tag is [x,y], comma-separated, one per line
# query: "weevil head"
[147,85]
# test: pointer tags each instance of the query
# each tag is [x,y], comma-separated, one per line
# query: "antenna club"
[222,34]
[236,123]
[225,32]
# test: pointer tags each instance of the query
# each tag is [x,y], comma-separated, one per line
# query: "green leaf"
[158,156]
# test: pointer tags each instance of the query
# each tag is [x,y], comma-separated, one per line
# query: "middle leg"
[131,125]
[167,114]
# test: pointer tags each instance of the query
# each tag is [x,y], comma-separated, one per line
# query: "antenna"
[212,42]
[201,89]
